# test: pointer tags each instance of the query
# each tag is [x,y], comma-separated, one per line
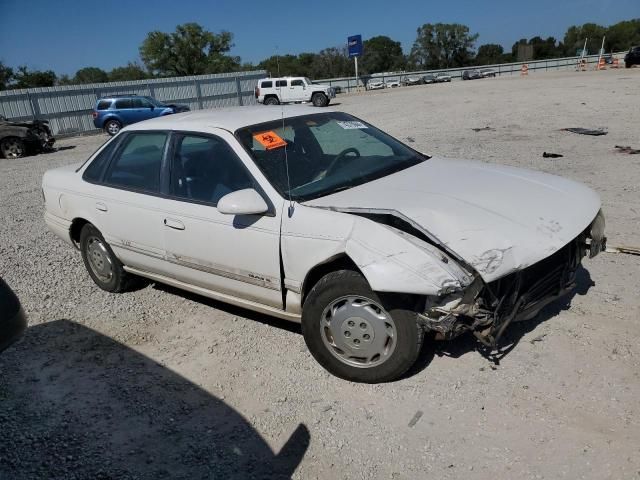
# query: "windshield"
[326,153]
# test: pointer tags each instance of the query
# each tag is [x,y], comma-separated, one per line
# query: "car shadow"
[517,330]
[78,404]
[231,309]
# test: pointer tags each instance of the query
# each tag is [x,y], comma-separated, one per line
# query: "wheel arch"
[76,227]
[342,261]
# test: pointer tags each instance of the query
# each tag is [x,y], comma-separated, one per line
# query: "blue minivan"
[117,111]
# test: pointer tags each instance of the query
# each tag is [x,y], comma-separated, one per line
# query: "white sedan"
[323,219]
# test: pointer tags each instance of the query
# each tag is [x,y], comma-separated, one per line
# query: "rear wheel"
[357,335]
[103,266]
[112,127]
[319,100]
[271,101]
[12,147]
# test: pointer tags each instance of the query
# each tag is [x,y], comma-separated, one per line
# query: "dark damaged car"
[19,138]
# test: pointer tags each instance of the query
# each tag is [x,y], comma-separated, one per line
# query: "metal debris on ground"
[415,418]
[627,250]
[539,338]
[484,129]
[629,150]
[586,131]
[551,155]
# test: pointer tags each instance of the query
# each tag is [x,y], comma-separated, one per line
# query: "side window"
[141,103]
[123,103]
[205,169]
[268,84]
[103,105]
[281,83]
[93,173]
[297,83]
[138,164]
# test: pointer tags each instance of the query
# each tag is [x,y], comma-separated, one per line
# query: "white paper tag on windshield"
[351,125]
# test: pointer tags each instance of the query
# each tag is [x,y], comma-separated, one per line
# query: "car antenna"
[286,158]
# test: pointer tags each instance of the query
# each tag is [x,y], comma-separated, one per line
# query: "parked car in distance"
[274,91]
[632,57]
[114,112]
[488,72]
[375,85]
[12,318]
[471,75]
[323,219]
[428,78]
[412,81]
[19,138]
[443,78]
[392,84]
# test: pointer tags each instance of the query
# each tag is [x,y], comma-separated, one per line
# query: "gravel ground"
[157,383]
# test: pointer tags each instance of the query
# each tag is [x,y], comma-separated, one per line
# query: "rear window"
[268,84]
[124,103]
[103,105]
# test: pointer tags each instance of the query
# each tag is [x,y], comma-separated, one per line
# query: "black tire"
[627,65]
[12,147]
[95,252]
[408,337]
[319,100]
[271,101]
[112,127]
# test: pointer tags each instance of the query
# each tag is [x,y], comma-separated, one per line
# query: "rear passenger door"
[282,87]
[236,255]
[125,200]
[124,110]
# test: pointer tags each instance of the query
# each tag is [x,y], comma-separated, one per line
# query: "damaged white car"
[323,219]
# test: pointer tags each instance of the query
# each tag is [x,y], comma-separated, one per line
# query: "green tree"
[25,78]
[90,75]
[332,62]
[6,75]
[190,50]
[284,64]
[132,71]
[576,35]
[623,35]
[382,54]
[442,45]
[489,53]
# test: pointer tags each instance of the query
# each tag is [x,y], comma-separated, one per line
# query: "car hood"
[498,219]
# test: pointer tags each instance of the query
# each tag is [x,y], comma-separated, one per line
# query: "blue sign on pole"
[354,44]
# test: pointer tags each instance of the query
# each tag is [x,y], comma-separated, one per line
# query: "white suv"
[273,91]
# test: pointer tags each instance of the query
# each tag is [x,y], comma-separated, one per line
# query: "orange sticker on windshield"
[269,140]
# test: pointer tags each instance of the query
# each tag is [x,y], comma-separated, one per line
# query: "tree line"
[192,50]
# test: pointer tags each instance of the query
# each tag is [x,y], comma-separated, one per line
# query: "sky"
[66,35]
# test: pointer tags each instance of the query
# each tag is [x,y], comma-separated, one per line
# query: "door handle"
[175,224]
[101,206]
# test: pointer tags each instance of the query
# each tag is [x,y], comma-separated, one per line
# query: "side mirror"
[242,202]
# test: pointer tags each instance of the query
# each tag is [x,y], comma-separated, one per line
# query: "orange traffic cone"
[524,71]
[615,63]
[601,65]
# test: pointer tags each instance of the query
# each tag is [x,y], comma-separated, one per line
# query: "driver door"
[297,90]
[236,255]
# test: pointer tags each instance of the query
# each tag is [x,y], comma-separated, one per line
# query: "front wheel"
[357,335]
[319,100]
[12,147]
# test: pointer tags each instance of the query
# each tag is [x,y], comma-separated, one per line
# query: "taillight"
[95,114]
[257,92]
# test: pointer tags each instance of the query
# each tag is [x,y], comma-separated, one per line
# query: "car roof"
[229,118]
